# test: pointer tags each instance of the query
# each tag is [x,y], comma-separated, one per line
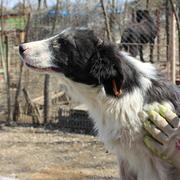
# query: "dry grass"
[38,154]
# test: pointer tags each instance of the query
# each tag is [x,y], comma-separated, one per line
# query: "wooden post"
[23,38]
[1,43]
[8,80]
[167,31]
[46,98]
[158,33]
[173,7]
[47,101]
[172,46]
[33,108]
[2,58]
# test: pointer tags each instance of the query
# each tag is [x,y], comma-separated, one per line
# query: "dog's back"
[142,32]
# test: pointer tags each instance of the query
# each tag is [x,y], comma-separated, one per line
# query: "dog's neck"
[108,112]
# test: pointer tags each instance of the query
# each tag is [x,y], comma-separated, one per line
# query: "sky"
[11,3]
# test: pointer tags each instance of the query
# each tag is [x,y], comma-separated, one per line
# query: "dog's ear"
[106,69]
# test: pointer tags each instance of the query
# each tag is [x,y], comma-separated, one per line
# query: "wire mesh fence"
[144,33]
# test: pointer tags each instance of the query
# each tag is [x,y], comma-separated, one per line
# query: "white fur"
[146,69]
[37,54]
[119,124]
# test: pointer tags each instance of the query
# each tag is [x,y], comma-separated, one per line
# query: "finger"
[155,147]
[170,116]
[155,132]
[160,122]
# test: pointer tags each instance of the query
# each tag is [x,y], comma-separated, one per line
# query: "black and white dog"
[115,87]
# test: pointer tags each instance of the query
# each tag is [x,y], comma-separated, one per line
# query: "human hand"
[163,125]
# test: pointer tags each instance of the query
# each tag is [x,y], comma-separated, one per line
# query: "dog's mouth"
[43,69]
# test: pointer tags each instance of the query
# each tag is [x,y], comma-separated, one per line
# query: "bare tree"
[44,4]
[39,4]
[106,21]
[112,19]
[55,17]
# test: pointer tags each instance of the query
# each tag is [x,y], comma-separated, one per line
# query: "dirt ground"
[38,154]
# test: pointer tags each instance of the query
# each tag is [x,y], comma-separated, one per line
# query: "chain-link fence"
[144,32]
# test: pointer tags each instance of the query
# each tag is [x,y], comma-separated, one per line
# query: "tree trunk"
[55,18]
[106,21]
[39,4]
[45,4]
[16,101]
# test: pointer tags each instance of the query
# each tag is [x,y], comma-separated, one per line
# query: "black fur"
[142,32]
[79,56]
[162,90]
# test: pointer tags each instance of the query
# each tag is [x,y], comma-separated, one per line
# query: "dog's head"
[142,15]
[78,54]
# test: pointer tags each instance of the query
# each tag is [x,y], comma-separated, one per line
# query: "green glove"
[163,127]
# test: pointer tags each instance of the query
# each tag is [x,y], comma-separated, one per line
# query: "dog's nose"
[21,49]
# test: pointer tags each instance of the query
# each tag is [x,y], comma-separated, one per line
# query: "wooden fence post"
[172,46]
[158,34]
[46,98]
[47,101]
[8,80]
[173,7]
[33,108]
[22,38]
